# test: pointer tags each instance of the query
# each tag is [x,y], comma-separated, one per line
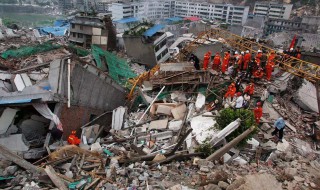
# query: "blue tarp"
[15,101]
[56,31]
[61,23]
[174,19]
[127,20]
[151,31]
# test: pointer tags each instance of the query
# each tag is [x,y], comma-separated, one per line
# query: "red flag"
[293,41]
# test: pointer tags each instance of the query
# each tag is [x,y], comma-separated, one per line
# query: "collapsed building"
[166,134]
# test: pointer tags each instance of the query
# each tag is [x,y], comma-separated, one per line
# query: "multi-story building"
[304,25]
[236,15]
[161,9]
[273,10]
[149,47]
[85,31]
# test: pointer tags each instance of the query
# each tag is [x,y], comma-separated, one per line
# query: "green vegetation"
[27,19]
[229,115]
[205,148]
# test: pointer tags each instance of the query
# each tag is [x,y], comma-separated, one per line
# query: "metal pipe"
[69,73]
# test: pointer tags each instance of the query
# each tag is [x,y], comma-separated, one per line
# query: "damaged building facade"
[65,91]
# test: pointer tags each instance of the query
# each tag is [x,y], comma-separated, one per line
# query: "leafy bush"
[229,115]
[205,148]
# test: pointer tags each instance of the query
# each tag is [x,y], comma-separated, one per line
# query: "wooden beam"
[55,178]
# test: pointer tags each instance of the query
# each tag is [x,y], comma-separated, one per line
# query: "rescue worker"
[298,52]
[240,61]
[258,74]
[225,62]
[279,127]
[270,65]
[73,139]
[264,59]
[246,60]
[195,61]
[236,64]
[249,89]
[258,113]
[258,59]
[206,60]
[239,101]
[231,91]
[251,65]
[216,62]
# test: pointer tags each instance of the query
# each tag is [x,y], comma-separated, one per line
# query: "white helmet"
[291,49]
[242,53]
[247,51]
[236,52]
[259,51]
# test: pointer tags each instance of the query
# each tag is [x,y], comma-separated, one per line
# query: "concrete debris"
[164,134]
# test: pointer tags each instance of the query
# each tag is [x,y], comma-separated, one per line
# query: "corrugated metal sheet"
[151,31]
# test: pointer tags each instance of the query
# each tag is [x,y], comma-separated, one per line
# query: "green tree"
[226,116]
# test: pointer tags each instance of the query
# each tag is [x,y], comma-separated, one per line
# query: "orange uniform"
[216,62]
[231,91]
[249,89]
[257,113]
[258,59]
[73,139]
[206,60]
[225,62]
[270,65]
[258,74]
[246,59]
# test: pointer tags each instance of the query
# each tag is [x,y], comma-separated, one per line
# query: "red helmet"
[239,94]
[259,104]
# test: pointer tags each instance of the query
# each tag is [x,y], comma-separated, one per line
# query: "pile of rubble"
[154,144]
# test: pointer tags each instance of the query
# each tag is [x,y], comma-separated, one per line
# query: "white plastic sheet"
[44,110]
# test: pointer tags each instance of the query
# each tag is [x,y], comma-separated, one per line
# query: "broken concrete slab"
[290,126]
[175,125]
[118,117]
[6,119]
[283,147]
[14,143]
[163,109]
[159,124]
[33,129]
[201,127]
[200,102]
[179,111]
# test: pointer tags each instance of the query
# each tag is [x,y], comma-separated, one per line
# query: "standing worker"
[270,65]
[258,113]
[195,60]
[279,127]
[258,59]
[264,59]
[206,60]
[250,68]
[246,60]
[225,62]
[216,62]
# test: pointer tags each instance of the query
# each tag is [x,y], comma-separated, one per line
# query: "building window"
[80,36]
[81,27]
[74,34]
[73,25]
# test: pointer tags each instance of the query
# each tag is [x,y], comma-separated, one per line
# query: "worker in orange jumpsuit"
[206,60]
[270,65]
[216,62]
[249,89]
[246,60]
[231,91]
[225,62]
[258,59]
[73,139]
[258,113]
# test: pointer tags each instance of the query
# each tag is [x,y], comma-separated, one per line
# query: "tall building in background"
[273,10]
[153,10]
